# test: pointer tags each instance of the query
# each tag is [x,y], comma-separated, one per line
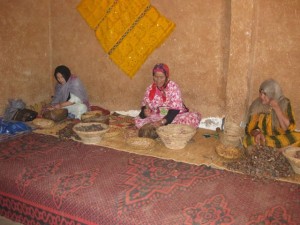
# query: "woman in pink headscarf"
[162,103]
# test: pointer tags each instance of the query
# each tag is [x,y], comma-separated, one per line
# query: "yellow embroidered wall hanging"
[128,30]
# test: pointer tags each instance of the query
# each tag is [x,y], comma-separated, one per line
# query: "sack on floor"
[24,115]
[13,106]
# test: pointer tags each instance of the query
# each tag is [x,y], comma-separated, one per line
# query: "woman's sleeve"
[290,115]
[56,98]
[252,124]
[175,101]
[172,113]
[142,113]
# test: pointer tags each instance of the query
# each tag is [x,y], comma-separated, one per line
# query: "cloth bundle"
[16,111]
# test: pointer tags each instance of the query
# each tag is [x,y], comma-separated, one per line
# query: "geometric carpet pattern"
[44,180]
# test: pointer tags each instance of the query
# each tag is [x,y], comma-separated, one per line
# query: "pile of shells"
[90,128]
[67,132]
[262,162]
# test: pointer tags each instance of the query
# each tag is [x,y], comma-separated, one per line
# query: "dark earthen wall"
[218,53]
[277,49]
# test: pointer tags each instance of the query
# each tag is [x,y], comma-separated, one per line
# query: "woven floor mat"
[200,150]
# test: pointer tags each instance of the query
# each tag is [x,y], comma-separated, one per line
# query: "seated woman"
[69,93]
[162,103]
[271,119]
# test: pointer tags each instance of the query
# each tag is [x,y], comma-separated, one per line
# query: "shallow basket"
[90,137]
[95,116]
[43,123]
[176,136]
[228,152]
[290,154]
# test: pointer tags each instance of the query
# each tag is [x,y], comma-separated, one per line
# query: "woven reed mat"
[200,150]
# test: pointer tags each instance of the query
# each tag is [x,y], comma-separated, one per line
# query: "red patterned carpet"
[48,181]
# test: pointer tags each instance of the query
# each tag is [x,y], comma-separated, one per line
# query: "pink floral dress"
[159,107]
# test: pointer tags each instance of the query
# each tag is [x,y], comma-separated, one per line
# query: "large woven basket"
[90,133]
[176,136]
[232,135]
[95,116]
[290,154]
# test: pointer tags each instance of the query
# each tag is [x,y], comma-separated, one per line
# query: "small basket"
[290,154]
[95,116]
[176,136]
[43,123]
[113,131]
[228,152]
[93,136]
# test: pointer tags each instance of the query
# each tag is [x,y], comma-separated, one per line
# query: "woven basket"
[56,115]
[93,136]
[232,134]
[43,123]
[228,152]
[113,131]
[95,116]
[176,136]
[290,154]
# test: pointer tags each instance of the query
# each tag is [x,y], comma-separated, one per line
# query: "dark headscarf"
[160,67]
[64,71]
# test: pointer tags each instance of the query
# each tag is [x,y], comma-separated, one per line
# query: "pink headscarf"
[161,67]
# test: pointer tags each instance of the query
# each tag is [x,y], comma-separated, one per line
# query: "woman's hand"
[274,104]
[147,111]
[282,118]
[159,123]
[50,107]
[57,106]
[258,137]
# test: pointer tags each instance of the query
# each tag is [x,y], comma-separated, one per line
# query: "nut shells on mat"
[141,143]
[95,116]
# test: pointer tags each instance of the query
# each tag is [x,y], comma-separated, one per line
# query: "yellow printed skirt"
[276,141]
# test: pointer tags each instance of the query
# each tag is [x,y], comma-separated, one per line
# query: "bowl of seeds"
[91,133]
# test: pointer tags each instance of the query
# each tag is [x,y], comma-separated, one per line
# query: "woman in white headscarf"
[69,93]
[271,119]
